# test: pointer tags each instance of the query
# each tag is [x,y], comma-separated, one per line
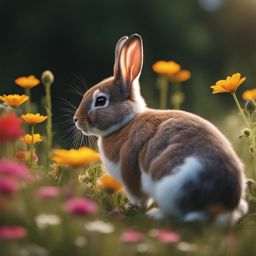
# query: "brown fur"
[159,141]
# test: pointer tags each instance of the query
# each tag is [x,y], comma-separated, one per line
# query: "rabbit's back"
[160,144]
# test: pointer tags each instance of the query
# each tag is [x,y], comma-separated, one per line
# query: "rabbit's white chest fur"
[113,168]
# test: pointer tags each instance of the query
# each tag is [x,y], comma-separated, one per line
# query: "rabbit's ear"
[119,45]
[130,59]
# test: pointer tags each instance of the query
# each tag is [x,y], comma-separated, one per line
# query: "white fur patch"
[167,190]
[197,216]
[140,103]
[112,168]
[148,185]
[114,171]
[132,199]
[97,93]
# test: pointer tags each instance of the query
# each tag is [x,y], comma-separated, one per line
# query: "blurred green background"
[211,38]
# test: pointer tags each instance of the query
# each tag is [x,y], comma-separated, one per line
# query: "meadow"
[56,201]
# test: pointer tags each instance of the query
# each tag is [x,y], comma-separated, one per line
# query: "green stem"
[240,108]
[28,102]
[177,97]
[32,145]
[162,84]
[49,120]
[249,123]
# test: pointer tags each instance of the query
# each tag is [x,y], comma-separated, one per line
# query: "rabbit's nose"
[75,119]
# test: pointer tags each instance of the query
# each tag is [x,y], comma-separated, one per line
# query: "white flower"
[44,220]
[99,226]
[80,241]
[186,247]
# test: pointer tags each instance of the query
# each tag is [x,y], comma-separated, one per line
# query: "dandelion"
[131,236]
[181,76]
[48,192]
[99,226]
[14,100]
[229,85]
[10,127]
[249,94]
[27,81]
[33,119]
[75,157]
[32,139]
[109,183]
[81,206]
[12,233]
[162,67]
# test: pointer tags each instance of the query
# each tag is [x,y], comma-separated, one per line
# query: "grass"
[51,229]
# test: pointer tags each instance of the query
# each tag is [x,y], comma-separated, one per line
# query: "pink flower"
[8,233]
[166,236]
[81,206]
[48,192]
[8,186]
[13,169]
[131,236]
[10,127]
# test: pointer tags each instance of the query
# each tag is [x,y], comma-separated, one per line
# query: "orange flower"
[109,183]
[75,157]
[28,138]
[249,94]
[166,67]
[229,85]
[27,82]
[181,76]
[14,100]
[33,119]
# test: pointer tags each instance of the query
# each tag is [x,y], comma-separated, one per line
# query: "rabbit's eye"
[100,101]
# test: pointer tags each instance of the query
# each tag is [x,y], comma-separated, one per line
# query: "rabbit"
[180,160]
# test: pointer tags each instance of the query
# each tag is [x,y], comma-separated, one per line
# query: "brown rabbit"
[177,158]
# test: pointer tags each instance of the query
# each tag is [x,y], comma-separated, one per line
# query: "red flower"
[166,236]
[81,206]
[10,128]
[8,186]
[17,232]
[131,236]
[48,192]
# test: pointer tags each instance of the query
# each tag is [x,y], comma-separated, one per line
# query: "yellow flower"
[28,138]
[27,82]
[33,119]
[229,85]
[109,183]
[166,67]
[75,157]
[249,94]
[181,76]
[14,100]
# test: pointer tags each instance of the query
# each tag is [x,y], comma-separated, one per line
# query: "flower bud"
[250,106]
[47,77]
[246,132]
